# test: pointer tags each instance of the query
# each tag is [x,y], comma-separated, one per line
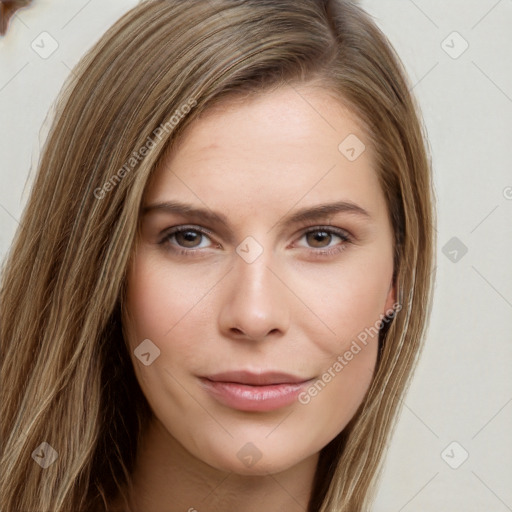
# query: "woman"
[223,274]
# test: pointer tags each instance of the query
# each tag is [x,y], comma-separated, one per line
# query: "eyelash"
[342,234]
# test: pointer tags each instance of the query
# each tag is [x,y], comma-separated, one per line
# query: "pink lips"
[248,391]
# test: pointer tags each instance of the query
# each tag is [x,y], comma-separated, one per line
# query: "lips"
[247,391]
[256,379]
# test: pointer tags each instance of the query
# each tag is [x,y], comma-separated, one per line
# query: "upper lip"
[256,379]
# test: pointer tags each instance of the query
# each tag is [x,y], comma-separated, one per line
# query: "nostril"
[236,330]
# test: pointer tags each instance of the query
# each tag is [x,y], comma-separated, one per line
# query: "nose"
[254,305]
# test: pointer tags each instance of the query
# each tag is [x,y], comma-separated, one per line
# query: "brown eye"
[319,238]
[188,238]
[185,238]
[325,240]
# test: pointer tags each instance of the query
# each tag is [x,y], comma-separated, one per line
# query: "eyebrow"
[313,213]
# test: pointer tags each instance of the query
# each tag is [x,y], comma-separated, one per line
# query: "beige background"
[460,402]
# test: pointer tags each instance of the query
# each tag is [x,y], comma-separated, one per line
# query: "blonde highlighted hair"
[66,375]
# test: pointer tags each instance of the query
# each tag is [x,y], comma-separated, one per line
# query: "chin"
[261,468]
[251,461]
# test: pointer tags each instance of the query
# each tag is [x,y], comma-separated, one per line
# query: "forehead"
[271,152]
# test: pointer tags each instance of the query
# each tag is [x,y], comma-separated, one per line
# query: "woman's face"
[246,327]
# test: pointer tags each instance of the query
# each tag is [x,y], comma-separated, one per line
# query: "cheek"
[330,402]
[349,299]
[351,304]
[361,301]
[159,302]
[159,299]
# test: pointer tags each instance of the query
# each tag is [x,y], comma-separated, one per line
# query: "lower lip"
[254,398]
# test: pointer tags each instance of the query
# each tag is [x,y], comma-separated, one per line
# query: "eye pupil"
[317,238]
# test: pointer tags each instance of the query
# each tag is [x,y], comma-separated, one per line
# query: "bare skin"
[291,299]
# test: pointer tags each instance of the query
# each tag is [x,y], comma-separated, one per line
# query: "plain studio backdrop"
[452,448]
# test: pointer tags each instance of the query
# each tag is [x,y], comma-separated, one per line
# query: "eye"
[187,240]
[327,240]
[186,237]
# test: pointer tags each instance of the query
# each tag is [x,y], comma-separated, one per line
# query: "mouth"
[247,391]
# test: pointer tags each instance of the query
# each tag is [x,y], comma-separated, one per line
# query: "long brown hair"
[66,377]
